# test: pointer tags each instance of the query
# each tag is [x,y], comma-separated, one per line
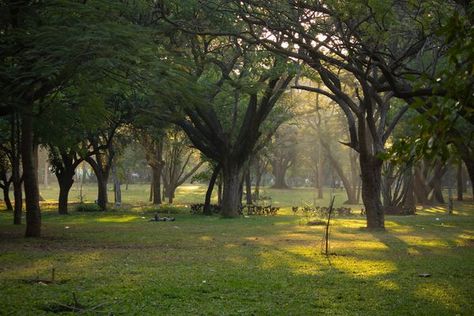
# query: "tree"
[10,148]
[37,61]
[177,159]
[282,154]
[237,87]
[348,44]
[5,180]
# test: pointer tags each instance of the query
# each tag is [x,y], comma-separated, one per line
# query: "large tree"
[44,46]
[349,44]
[236,87]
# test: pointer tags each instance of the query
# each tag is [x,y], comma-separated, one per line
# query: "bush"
[87,207]
[166,209]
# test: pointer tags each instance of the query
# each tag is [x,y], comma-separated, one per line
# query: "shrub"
[87,207]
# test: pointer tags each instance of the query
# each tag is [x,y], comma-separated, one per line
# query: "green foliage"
[87,207]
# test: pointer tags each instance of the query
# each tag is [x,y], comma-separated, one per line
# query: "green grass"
[138,195]
[247,266]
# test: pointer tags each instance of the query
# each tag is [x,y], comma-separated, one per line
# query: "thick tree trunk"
[231,195]
[15,143]
[371,174]
[30,179]
[280,175]
[156,175]
[460,181]
[6,197]
[437,191]
[102,195]
[435,183]
[102,175]
[65,183]
[421,190]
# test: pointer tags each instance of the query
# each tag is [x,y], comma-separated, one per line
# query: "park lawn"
[122,264]
[138,194]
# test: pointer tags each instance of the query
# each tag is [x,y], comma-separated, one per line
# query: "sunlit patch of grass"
[443,294]
[388,285]
[118,219]
[364,267]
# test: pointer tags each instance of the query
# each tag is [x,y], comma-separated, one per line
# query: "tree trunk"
[150,197]
[248,187]
[102,196]
[117,188]
[435,183]
[35,162]
[118,193]
[460,181]
[15,143]
[421,191]
[102,175]
[231,191]
[350,190]
[212,182]
[219,191]
[355,178]
[409,201]
[18,197]
[30,179]
[170,193]
[437,192]
[65,183]
[156,174]
[470,169]
[6,196]
[258,179]
[45,178]
[371,174]
[280,174]
[359,189]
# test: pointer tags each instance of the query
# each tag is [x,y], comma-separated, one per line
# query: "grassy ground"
[138,194]
[125,265]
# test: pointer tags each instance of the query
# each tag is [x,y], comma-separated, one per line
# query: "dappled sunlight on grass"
[206,238]
[257,265]
[86,260]
[443,294]
[118,219]
[364,268]
[30,270]
[388,285]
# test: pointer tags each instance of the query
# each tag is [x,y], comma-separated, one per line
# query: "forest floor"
[119,263]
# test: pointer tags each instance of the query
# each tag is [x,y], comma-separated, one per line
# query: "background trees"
[75,75]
